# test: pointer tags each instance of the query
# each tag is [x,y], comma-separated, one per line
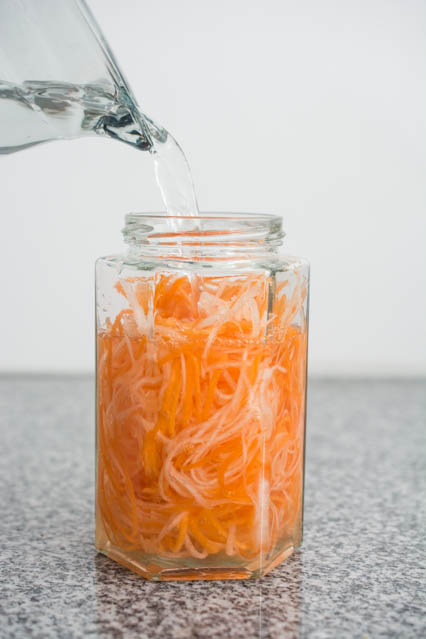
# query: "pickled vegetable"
[201,390]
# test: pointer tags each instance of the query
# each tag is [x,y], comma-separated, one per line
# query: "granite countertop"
[360,571]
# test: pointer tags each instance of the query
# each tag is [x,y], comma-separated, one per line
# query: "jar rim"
[245,235]
[206,215]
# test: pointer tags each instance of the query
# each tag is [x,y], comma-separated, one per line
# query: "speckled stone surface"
[360,573]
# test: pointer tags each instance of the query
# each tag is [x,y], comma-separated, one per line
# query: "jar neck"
[209,237]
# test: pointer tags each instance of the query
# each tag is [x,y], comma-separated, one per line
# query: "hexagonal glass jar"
[201,382]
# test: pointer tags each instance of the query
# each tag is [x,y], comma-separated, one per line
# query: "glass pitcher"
[59,79]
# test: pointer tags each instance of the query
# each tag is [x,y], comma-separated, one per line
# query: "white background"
[315,110]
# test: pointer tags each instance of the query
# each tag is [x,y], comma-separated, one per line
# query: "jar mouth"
[207,215]
[217,227]
[207,236]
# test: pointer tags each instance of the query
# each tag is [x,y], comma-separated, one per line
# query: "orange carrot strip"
[183,528]
[177,432]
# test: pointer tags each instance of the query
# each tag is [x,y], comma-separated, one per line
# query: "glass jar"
[201,386]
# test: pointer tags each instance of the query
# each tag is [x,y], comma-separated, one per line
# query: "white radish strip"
[230,540]
[139,314]
[263,514]
[129,348]
[172,524]
[192,550]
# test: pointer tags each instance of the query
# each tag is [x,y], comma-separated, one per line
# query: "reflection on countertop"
[360,572]
[262,608]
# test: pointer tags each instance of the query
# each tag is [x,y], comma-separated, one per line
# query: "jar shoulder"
[124,262]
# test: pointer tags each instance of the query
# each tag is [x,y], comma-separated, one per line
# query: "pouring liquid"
[35,112]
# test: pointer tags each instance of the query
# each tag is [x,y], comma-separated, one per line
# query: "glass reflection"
[127,605]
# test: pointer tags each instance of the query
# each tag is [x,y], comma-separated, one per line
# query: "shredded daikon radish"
[200,416]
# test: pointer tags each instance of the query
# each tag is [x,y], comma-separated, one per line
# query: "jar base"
[151,569]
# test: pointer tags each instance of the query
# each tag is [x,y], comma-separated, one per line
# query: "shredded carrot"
[201,392]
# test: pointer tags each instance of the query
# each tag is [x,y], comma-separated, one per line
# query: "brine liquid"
[35,112]
[200,420]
